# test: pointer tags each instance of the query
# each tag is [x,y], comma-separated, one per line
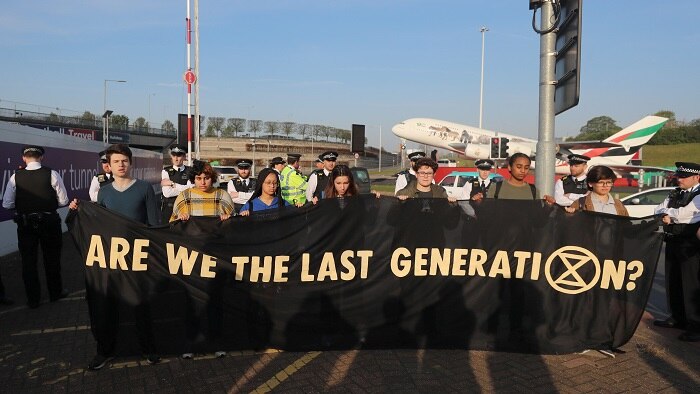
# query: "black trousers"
[2,288]
[34,230]
[683,280]
[104,323]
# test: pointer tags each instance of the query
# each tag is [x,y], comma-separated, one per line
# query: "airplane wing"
[566,146]
[458,146]
[630,168]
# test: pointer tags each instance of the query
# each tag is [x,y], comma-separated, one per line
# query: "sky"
[333,62]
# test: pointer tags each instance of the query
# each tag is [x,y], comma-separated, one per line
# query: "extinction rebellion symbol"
[572,269]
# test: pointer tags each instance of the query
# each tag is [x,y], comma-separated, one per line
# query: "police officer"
[319,178]
[292,181]
[102,178]
[570,188]
[174,179]
[35,193]
[242,188]
[406,176]
[681,218]
[277,163]
[477,188]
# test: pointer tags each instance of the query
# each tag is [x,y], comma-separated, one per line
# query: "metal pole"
[544,171]
[189,88]
[380,148]
[253,157]
[104,109]
[196,72]
[483,31]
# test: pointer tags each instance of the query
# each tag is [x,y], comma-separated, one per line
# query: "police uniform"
[569,188]
[180,176]
[292,183]
[244,187]
[406,176]
[318,180]
[478,185]
[35,193]
[683,255]
[99,180]
[275,161]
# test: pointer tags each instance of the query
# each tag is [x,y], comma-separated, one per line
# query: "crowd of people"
[35,192]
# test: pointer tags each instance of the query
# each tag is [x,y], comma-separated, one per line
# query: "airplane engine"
[477,151]
[516,147]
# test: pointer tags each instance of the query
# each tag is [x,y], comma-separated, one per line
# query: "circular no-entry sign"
[189,77]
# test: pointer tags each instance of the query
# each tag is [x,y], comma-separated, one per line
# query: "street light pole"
[380,148]
[253,140]
[148,121]
[483,31]
[104,108]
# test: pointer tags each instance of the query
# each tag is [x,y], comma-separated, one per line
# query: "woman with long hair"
[267,194]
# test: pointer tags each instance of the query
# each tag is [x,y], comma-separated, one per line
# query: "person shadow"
[319,325]
[390,334]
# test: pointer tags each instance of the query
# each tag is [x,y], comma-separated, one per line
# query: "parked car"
[643,203]
[361,176]
[454,182]
[447,163]
[226,173]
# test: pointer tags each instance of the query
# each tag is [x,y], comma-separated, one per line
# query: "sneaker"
[607,352]
[152,358]
[98,362]
[187,356]
[220,354]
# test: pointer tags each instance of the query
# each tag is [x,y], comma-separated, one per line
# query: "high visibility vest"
[293,185]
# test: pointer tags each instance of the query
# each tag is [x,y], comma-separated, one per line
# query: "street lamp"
[105,125]
[253,141]
[483,31]
[148,121]
[104,107]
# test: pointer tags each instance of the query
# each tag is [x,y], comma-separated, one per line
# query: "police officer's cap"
[685,169]
[294,156]
[484,164]
[318,160]
[32,149]
[330,156]
[103,156]
[413,156]
[244,163]
[277,160]
[178,149]
[578,159]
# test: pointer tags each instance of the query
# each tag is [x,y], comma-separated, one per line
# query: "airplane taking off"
[475,143]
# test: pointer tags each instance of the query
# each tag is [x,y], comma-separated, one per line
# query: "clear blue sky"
[341,62]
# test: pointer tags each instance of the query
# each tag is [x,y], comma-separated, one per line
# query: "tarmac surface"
[47,350]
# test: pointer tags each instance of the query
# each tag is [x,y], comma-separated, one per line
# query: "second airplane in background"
[475,143]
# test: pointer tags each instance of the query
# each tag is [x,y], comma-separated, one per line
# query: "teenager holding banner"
[267,194]
[423,186]
[203,199]
[135,199]
[600,180]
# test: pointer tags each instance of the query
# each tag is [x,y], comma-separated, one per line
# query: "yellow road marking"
[286,372]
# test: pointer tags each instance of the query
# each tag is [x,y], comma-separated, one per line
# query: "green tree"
[271,127]
[254,126]
[119,122]
[598,128]
[215,124]
[54,118]
[303,129]
[168,126]
[88,118]
[235,125]
[140,123]
[671,116]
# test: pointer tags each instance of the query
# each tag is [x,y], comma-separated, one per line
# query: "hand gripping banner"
[374,273]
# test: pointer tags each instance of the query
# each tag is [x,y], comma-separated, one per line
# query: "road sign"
[189,77]
[568,64]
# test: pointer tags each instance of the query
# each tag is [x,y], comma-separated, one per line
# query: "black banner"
[377,273]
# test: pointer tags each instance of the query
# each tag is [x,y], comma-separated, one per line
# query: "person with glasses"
[267,194]
[101,179]
[424,187]
[681,219]
[600,180]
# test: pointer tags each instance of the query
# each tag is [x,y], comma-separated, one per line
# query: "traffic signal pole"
[546,154]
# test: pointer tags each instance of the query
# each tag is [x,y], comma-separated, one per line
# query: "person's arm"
[60,188]
[311,186]
[400,184]
[94,188]
[8,198]
[683,214]
[227,207]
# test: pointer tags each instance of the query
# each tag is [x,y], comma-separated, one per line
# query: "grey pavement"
[47,349]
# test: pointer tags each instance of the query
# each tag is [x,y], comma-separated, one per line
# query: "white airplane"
[475,143]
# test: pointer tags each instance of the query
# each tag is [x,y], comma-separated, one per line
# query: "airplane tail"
[630,139]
